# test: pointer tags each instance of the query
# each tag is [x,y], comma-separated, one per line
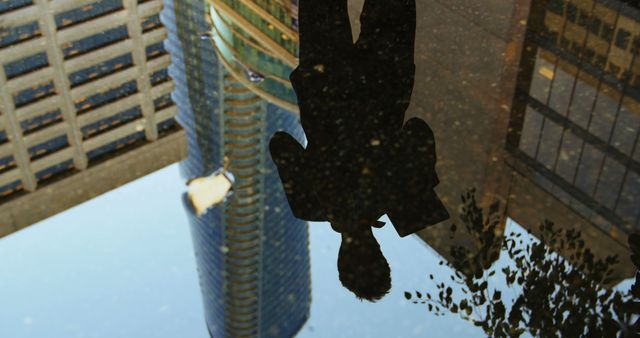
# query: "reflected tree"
[555,296]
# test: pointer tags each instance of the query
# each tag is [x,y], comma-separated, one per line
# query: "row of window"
[10,36]
[618,36]
[12,5]
[586,54]
[39,60]
[575,14]
[273,87]
[284,12]
[45,120]
[256,59]
[85,13]
[49,147]
[47,89]
[48,174]
[50,118]
[41,121]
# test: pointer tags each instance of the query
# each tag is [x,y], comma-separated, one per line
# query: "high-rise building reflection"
[576,119]
[84,103]
[231,68]
[535,103]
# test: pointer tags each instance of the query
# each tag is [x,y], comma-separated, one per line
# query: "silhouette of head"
[362,267]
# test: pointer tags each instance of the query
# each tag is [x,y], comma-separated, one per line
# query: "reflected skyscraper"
[231,68]
[84,103]
[535,104]
[576,117]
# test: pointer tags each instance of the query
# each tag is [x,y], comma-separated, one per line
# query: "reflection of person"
[360,161]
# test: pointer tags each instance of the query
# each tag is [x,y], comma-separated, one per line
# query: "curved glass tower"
[252,253]
[258,36]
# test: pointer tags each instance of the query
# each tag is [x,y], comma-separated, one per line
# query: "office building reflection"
[84,103]
[232,95]
[536,105]
[576,117]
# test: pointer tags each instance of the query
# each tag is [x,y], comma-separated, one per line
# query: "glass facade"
[576,119]
[252,253]
[245,51]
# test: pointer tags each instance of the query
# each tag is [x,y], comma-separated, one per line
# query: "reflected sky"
[108,269]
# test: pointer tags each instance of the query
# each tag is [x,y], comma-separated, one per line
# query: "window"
[14,35]
[26,65]
[111,122]
[595,26]
[105,150]
[91,43]
[51,146]
[54,170]
[600,61]
[155,50]
[572,12]
[100,70]
[102,98]
[622,38]
[556,6]
[159,77]
[587,54]
[10,188]
[7,163]
[86,13]
[151,23]
[613,68]
[7,6]
[36,123]
[34,93]
[162,102]
[607,32]
[583,18]
[166,126]
[635,47]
